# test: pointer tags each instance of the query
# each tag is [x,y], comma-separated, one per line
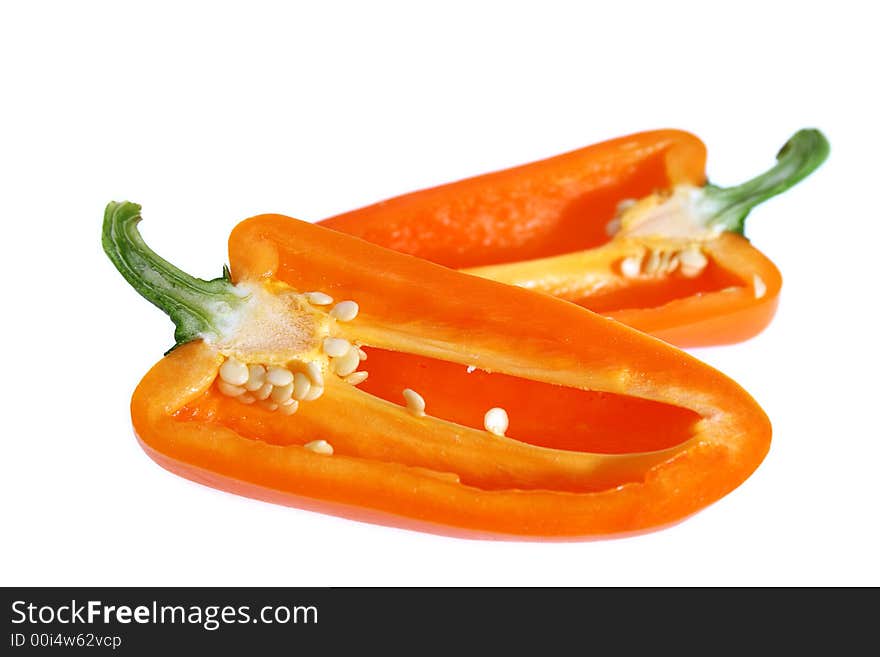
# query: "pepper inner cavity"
[529,411]
[650,286]
[533,412]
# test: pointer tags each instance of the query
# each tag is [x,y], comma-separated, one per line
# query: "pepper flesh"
[553,226]
[443,473]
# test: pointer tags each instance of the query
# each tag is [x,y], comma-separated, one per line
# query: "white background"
[207,113]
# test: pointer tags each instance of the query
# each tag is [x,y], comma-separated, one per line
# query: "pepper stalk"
[199,308]
[704,212]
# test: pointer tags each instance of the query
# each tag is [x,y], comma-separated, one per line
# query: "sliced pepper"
[324,372]
[627,228]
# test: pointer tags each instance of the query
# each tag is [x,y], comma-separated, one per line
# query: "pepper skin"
[627,228]
[611,431]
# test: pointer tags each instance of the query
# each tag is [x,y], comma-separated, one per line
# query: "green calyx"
[799,157]
[198,308]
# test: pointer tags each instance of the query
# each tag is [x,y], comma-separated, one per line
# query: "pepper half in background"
[627,228]
[328,373]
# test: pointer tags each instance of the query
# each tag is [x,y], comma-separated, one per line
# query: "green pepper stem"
[198,308]
[798,158]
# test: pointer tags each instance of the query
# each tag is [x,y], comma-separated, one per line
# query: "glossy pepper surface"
[628,228]
[328,373]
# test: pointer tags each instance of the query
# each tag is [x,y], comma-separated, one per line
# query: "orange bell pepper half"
[328,373]
[627,228]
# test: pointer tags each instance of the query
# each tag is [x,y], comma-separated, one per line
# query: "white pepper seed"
[228,389]
[264,391]
[279,376]
[336,347]
[256,377]
[496,421]
[314,393]
[282,393]
[692,262]
[345,311]
[631,266]
[320,447]
[319,298]
[301,385]
[356,378]
[313,371]
[759,286]
[345,365]
[415,403]
[289,407]
[234,371]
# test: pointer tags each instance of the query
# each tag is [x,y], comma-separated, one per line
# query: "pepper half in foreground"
[328,373]
[627,228]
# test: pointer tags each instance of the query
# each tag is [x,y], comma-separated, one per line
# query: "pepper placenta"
[627,228]
[325,372]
